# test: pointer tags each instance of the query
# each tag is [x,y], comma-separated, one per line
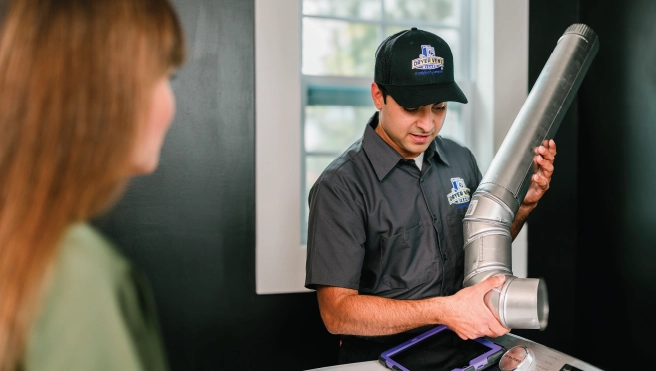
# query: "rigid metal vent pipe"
[522,303]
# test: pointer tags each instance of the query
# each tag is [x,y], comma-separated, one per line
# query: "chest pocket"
[407,258]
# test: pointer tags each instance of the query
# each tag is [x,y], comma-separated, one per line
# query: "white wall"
[280,258]
[501,75]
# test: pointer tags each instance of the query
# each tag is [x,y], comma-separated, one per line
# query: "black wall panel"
[604,263]
[617,241]
[191,225]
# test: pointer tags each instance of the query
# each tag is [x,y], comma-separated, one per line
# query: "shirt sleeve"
[336,237]
[95,316]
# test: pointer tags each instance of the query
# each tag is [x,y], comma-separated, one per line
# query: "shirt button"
[444,257]
[434,217]
[421,179]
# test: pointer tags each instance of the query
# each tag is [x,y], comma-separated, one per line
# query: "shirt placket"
[429,199]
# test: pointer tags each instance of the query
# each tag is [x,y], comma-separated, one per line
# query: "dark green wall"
[617,253]
[593,237]
[191,225]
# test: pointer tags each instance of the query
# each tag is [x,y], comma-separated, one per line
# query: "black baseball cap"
[416,68]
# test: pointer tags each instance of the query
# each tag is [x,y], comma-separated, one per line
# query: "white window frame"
[280,256]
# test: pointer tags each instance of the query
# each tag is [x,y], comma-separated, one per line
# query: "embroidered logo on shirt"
[428,60]
[459,193]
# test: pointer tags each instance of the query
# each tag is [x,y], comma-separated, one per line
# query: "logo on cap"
[428,60]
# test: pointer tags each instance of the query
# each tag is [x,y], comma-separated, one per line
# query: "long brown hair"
[76,79]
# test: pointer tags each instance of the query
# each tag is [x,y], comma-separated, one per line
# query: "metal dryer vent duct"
[522,303]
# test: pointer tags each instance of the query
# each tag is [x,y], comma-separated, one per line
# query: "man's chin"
[416,149]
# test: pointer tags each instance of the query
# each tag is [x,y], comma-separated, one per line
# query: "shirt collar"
[383,157]
[437,148]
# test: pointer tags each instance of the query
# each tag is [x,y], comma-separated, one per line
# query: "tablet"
[441,349]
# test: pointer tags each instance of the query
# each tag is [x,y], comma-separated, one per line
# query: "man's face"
[409,130]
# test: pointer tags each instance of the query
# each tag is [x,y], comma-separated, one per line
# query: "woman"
[85,103]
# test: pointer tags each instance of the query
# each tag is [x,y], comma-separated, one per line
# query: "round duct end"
[543,305]
[523,304]
[581,30]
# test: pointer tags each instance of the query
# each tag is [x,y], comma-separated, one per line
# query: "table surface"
[547,358]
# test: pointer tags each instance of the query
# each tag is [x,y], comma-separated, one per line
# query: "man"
[385,240]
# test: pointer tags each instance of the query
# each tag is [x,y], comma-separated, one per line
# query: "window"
[307,110]
[339,41]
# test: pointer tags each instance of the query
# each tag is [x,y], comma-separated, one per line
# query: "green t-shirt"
[97,314]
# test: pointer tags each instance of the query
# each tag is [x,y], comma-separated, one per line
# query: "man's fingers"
[498,329]
[492,282]
[545,163]
[543,175]
[547,149]
[546,153]
[552,147]
[494,328]
[545,169]
[542,183]
[475,319]
[462,335]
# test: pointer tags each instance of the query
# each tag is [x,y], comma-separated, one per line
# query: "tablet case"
[491,352]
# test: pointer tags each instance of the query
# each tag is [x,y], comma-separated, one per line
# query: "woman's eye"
[411,110]
[440,106]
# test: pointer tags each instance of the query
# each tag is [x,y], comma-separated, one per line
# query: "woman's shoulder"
[88,275]
[96,312]
[84,252]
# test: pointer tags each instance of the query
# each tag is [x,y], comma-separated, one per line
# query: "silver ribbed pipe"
[522,303]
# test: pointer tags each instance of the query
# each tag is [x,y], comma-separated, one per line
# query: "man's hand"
[468,316]
[543,165]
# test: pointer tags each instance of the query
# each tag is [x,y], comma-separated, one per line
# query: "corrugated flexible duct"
[522,303]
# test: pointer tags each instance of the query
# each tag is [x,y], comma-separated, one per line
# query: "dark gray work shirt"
[381,226]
